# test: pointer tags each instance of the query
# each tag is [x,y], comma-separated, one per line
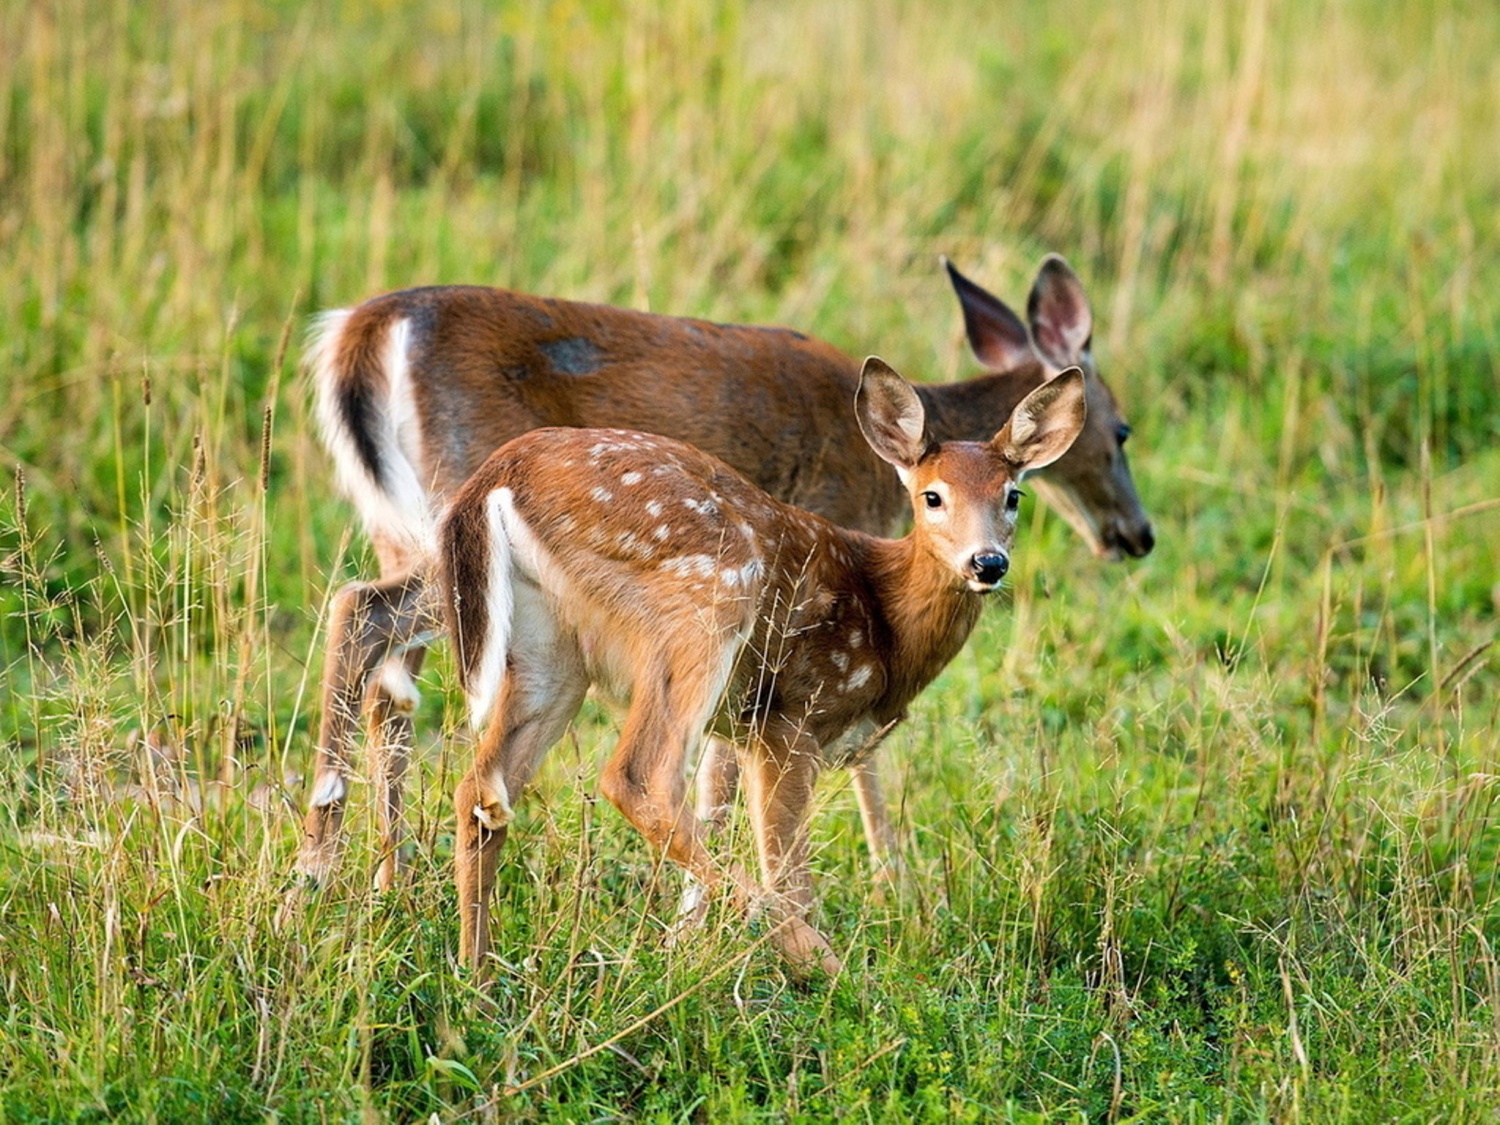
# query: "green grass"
[1208,837]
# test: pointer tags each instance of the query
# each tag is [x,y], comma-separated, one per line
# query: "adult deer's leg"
[392,700]
[718,780]
[370,623]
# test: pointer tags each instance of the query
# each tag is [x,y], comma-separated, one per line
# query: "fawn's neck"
[928,612]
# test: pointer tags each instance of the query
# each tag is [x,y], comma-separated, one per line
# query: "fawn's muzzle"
[987,570]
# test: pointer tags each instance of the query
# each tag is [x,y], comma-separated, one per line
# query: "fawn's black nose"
[989,569]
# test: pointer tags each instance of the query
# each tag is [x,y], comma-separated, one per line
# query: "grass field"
[1211,836]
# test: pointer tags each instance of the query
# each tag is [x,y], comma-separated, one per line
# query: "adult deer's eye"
[1122,431]
[932,499]
[1013,501]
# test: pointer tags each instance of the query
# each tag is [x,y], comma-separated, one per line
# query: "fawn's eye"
[1013,501]
[932,499]
[1122,431]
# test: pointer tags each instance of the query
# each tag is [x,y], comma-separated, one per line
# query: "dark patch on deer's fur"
[572,356]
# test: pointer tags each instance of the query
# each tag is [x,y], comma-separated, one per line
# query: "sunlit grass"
[1205,837]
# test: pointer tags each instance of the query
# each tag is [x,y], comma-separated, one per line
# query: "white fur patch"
[504,813]
[701,565]
[631,477]
[693,894]
[499,595]
[331,789]
[1022,425]
[631,544]
[859,677]
[398,686]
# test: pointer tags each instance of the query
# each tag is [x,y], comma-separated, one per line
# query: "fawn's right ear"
[891,416]
[1042,427]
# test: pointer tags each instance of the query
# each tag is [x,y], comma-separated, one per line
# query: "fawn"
[637,563]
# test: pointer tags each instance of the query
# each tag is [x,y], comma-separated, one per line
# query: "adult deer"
[415,388]
[640,564]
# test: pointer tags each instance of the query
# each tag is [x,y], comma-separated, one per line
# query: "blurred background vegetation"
[1223,816]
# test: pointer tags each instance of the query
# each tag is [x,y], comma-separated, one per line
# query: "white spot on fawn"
[653,507]
[859,677]
[702,565]
[741,575]
[630,543]
[631,477]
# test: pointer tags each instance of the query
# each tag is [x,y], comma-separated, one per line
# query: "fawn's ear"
[891,416]
[1043,426]
[1061,322]
[997,335]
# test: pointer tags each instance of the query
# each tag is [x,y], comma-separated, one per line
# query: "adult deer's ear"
[997,335]
[891,416]
[1061,322]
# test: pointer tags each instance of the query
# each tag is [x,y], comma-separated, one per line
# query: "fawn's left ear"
[1043,426]
[891,416]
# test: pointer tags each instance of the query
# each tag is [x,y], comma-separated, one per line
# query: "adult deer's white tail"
[371,425]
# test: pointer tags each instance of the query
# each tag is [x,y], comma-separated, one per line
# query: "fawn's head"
[965,494]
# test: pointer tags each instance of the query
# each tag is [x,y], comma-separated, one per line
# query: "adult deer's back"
[417,388]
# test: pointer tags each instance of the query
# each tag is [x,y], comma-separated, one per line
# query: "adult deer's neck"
[974,409]
[929,616]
